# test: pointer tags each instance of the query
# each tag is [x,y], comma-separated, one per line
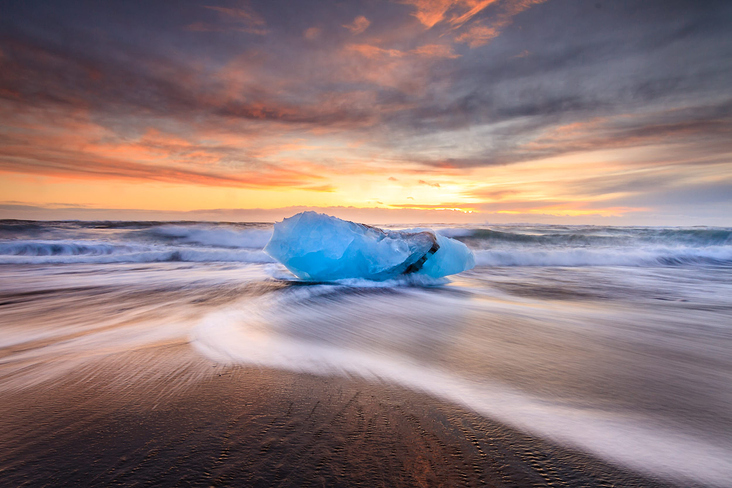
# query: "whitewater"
[28,242]
[612,340]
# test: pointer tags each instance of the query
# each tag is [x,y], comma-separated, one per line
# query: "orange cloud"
[431,12]
[78,149]
[435,51]
[321,188]
[453,206]
[428,51]
[474,8]
[572,210]
[311,33]
[240,14]
[373,52]
[358,25]
[493,194]
[247,18]
[457,13]
[625,130]
[478,35]
[232,19]
[401,70]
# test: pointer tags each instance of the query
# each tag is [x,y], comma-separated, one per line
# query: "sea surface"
[613,340]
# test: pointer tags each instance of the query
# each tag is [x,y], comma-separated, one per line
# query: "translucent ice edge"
[318,247]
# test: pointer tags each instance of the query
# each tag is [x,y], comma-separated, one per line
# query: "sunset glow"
[465,110]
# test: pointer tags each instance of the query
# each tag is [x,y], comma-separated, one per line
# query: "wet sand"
[165,416]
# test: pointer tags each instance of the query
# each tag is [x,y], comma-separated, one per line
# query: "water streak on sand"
[428,341]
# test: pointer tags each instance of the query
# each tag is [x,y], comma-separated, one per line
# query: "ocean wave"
[625,256]
[40,248]
[28,242]
[66,252]
[588,236]
[210,235]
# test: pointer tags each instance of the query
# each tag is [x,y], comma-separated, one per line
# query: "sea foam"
[419,340]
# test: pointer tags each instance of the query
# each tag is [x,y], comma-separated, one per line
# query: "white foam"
[100,252]
[219,236]
[455,232]
[628,256]
[261,334]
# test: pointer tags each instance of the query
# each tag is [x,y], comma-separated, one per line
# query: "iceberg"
[318,247]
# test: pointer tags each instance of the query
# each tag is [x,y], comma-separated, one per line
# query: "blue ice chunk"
[318,247]
[451,258]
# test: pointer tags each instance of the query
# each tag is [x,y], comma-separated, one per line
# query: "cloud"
[231,19]
[473,8]
[242,15]
[43,77]
[675,126]
[478,35]
[369,215]
[456,206]
[456,12]
[358,25]
[426,183]
[491,193]
[482,32]
[81,149]
[311,33]
[435,51]
[430,12]
[374,52]
[321,188]
[425,89]
[427,51]
[67,163]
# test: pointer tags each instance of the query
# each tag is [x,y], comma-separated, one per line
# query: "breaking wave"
[596,246]
[211,235]
[658,256]
[67,252]
[28,242]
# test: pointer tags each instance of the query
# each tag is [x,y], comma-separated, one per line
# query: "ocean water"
[614,340]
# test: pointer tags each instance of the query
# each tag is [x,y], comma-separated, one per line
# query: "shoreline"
[164,415]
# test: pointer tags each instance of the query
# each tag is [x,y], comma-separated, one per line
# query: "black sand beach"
[144,360]
[373,243]
[164,416]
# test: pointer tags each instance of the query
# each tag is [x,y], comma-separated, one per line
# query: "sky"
[557,111]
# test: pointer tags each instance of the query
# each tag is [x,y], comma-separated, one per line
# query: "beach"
[178,354]
[402,243]
[186,421]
